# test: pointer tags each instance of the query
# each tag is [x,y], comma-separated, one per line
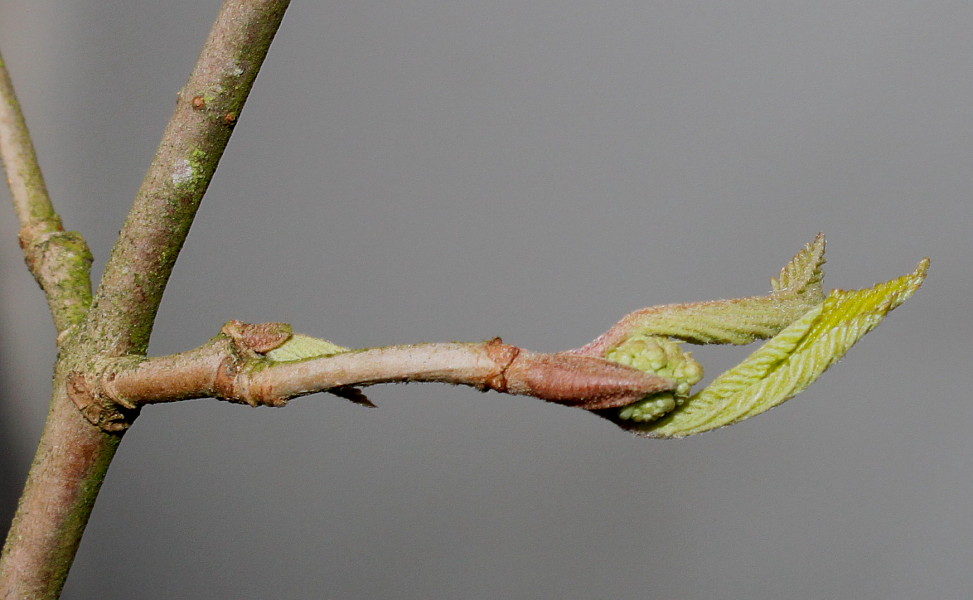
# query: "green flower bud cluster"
[661,356]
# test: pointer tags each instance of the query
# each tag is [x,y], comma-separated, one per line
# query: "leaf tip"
[804,269]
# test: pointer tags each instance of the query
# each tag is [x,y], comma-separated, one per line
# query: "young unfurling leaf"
[796,290]
[785,365]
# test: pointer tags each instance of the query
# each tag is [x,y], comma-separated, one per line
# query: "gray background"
[409,171]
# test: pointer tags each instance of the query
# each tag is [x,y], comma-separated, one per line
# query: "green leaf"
[737,321]
[788,363]
[300,347]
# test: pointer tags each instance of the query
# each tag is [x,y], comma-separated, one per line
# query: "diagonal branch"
[207,108]
[59,260]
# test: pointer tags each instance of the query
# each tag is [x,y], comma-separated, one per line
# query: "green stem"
[31,201]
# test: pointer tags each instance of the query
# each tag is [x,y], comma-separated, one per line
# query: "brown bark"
[225,369]
[73,456]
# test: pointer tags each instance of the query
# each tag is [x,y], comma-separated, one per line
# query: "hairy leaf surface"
[789,362]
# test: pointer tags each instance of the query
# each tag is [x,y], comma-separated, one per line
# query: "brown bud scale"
[257,337]
[582,381]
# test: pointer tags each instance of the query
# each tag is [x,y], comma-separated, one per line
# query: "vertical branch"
[69,467]
[73,456]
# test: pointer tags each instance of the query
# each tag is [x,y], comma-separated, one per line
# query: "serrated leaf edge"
[789,362]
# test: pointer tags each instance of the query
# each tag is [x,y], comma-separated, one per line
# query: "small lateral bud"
[257,337]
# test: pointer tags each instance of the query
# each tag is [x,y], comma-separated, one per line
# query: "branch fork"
[103,376]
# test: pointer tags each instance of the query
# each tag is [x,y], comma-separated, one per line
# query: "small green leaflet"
[788,363]
[300,347]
